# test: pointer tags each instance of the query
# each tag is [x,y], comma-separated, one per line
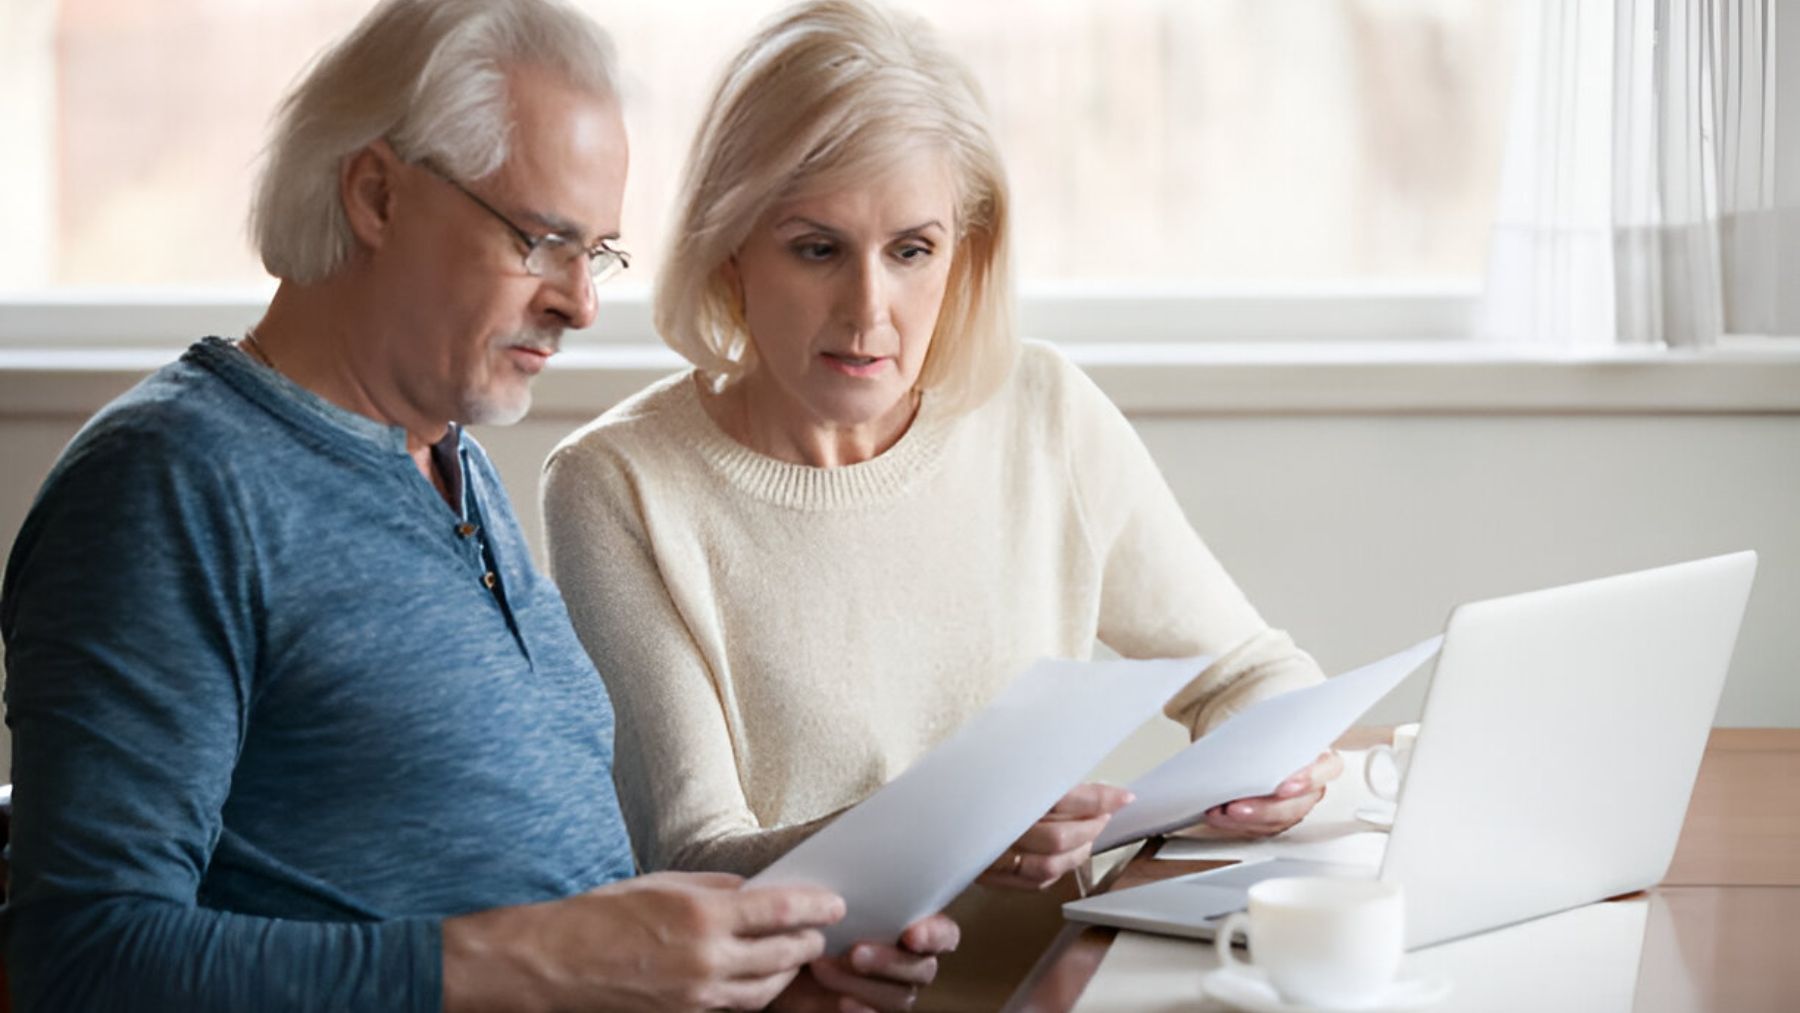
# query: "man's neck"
[322,338]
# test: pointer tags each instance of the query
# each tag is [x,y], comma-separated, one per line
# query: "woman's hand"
[1266,815]
[874,977]
[1061,841]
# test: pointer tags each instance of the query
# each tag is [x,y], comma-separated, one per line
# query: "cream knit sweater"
[780,640]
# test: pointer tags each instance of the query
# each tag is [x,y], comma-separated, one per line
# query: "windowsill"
[1154,348]
[1743,376]
[1444,377]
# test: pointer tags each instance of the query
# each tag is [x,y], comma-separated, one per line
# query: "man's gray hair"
[429,76]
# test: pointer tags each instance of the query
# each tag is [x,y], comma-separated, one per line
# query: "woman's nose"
[866,300]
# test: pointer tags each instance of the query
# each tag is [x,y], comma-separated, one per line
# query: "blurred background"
[1244,155]
[1150,141]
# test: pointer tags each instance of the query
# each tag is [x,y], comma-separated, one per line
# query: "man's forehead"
[553,115]
[567,160]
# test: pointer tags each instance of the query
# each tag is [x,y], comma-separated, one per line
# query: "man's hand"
[1061,841]
[668,941]
[874,977]
[1266,815]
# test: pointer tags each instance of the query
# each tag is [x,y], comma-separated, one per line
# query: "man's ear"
[366,186]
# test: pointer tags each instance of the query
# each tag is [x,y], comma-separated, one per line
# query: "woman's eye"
[816,249]
[913,252]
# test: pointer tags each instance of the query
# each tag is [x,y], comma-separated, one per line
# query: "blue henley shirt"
[278,710]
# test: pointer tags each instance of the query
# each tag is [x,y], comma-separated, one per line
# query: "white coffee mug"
[1321,940]
[1384,766]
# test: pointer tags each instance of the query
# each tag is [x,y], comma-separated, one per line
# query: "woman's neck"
[751,418]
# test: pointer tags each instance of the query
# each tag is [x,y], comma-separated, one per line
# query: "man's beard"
[504,403]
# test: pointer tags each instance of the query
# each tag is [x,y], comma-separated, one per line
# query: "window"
[1237,145]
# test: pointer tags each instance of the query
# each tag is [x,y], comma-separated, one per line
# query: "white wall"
[1355,529]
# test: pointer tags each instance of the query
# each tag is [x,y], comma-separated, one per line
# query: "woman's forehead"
[917,187]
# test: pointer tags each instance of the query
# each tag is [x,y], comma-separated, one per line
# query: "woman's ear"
[366,188]
[734,291]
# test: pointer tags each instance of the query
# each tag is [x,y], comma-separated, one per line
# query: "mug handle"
[1238,921]
[1369,758]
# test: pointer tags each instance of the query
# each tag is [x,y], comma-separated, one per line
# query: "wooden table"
[1732,893]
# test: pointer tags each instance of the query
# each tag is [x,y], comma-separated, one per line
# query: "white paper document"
[909,849]
[1253,752]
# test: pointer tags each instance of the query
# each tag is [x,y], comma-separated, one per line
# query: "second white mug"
[1384,766]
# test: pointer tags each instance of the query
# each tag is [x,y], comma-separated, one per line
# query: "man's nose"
[570,294]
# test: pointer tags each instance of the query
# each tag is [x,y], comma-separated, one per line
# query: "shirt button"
[488,580]
[465,529]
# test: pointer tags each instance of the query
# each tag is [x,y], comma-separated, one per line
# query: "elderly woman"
[804,562]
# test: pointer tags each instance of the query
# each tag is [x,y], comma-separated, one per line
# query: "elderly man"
[297,725]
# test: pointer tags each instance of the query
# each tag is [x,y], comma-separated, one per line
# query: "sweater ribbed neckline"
[879,480]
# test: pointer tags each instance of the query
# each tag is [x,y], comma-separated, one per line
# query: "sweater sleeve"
[1163,592]
[675,767]
[130,659]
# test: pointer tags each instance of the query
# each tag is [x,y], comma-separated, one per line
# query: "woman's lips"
[854,365]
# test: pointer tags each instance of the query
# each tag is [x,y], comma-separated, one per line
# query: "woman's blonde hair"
[824,97]
[430,77]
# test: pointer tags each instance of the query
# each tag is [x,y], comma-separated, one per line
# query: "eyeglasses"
[551,253]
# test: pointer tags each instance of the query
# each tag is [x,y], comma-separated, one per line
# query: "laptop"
[1558,746]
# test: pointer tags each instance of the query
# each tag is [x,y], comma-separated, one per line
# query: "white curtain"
[1651,191]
